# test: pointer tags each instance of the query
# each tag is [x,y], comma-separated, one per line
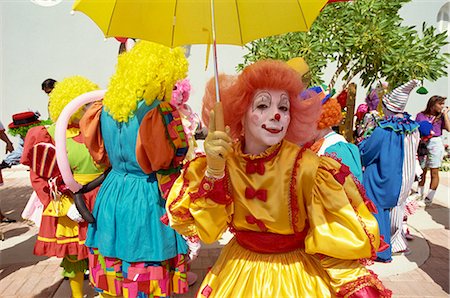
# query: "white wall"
[41,42]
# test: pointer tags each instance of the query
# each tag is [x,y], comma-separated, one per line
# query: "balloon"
[60,135]
[78,197]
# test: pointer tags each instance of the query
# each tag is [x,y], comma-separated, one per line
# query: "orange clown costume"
[302,224]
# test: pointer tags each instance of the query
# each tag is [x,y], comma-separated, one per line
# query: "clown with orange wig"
[329,142]
[299,221]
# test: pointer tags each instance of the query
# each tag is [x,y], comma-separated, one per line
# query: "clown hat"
[299,65]
[396,100]
[24,119]
[316,90]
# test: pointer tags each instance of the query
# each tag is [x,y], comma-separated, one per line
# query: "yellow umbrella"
[181,22]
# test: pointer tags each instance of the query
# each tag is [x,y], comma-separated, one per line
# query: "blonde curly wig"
[148,72]
[64,92]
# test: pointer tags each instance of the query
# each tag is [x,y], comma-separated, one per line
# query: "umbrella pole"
[216,73]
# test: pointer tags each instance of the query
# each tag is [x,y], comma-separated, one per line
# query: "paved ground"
[423,273]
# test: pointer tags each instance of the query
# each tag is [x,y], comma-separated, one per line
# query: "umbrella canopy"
[181,22]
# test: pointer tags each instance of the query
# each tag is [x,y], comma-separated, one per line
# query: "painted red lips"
[272,130]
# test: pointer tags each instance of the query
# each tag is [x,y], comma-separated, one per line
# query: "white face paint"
[266,120]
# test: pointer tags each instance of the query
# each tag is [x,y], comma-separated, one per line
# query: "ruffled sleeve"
[35,135]
[340,219]
[198,205]
[91,132]
[161,143]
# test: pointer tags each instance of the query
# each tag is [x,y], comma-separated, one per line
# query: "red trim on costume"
[206,291]
[260,194]
[257,165]
[213,189]
[383,245]
[165,219]
[263,242]
[367,202]
[293,200]
[362,191]
[185,214]
[365,286]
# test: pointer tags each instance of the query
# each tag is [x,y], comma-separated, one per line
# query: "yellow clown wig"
[148,72]
[64,92]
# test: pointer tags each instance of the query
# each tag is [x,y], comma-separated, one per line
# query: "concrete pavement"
[423,273]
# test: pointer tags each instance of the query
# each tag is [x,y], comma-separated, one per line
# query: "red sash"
[270,243]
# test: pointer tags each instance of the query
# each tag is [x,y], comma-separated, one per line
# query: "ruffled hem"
[402,125]
[71,266]
[141,279]
[52,249]
[365,286]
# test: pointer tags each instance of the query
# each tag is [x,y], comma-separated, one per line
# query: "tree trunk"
[348,124]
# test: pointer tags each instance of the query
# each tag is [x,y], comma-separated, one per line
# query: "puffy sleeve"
[90,129]
[161,143]
[35,135]
[349,154]
[198,205]
[340,219]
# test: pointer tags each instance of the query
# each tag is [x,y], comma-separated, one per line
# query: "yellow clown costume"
[302,224]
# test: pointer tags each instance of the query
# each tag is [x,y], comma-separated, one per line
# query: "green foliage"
[21,131]
[365,37]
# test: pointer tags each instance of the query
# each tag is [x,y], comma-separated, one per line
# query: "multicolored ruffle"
[401,125]
[116,277]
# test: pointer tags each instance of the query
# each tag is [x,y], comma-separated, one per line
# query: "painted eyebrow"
[285,99]
[261,96]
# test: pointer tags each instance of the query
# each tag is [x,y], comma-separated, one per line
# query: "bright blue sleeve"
[349,154]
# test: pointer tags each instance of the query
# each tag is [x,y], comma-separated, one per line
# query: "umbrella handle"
[216,72]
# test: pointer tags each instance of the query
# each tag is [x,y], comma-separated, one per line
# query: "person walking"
[9,148]
[389,158]
[436,113]
[62,231]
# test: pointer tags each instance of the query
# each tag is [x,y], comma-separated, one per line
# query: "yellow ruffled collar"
[268,154]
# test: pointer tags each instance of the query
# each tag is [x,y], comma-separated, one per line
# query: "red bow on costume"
[260,194]
[383,245]
[255,166]
[253,221]
[344,171]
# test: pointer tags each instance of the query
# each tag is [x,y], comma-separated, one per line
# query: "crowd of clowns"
[308,210]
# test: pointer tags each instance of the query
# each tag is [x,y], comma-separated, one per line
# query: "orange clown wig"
[331,114]
[237,95]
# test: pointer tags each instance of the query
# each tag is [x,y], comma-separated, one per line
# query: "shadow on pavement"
[16,232]
[437,266]
[18,256]
[440,214]
[14,200]
[49,291]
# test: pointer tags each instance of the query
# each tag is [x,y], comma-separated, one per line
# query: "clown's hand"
[73,214]
[218,144]
[194,246]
